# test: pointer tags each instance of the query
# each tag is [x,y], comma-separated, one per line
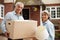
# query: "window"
[54,12]
[1,11]
[58,12]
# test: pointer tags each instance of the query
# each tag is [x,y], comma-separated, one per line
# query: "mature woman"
[48,24]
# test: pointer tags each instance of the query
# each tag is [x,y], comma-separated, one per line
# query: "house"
[33,8]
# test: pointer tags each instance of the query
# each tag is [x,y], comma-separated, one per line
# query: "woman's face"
[44,17]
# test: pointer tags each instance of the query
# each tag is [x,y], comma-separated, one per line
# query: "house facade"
[33,8]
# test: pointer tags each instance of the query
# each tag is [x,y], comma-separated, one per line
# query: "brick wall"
[1,1]
[56,23]
[8,7]
[34,15]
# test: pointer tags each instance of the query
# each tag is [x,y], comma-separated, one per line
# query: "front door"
[25,13]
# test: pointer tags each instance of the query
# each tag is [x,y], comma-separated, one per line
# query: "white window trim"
[0,11]
[55,10]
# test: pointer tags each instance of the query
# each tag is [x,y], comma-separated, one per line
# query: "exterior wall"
[51,1]
[56,22]
[34,15]
[8,7]
[1,1]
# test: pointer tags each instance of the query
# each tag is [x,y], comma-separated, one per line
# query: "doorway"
[25,13]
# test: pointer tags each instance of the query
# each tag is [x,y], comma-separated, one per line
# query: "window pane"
[1,8]
[53,9]
[53,14]
[1,11]
[48,9]
[58,12]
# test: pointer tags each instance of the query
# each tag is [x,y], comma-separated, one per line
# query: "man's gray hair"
[19,3]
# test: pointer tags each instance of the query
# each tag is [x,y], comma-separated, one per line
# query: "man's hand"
[6,34]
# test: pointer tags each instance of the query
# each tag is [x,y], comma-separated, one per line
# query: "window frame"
[1,17]
[51,10]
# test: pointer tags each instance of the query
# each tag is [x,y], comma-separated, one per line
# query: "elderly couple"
[16,15]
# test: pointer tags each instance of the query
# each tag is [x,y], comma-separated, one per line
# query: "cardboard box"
[41,33]
[21,29]
[3,38]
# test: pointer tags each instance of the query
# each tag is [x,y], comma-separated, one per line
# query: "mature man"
[48,24]
[13,15]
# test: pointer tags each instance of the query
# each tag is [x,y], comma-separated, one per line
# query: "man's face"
[44,17]
[19,8]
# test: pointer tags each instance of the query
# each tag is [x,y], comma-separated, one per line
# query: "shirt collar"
[14,12]
[45,22]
